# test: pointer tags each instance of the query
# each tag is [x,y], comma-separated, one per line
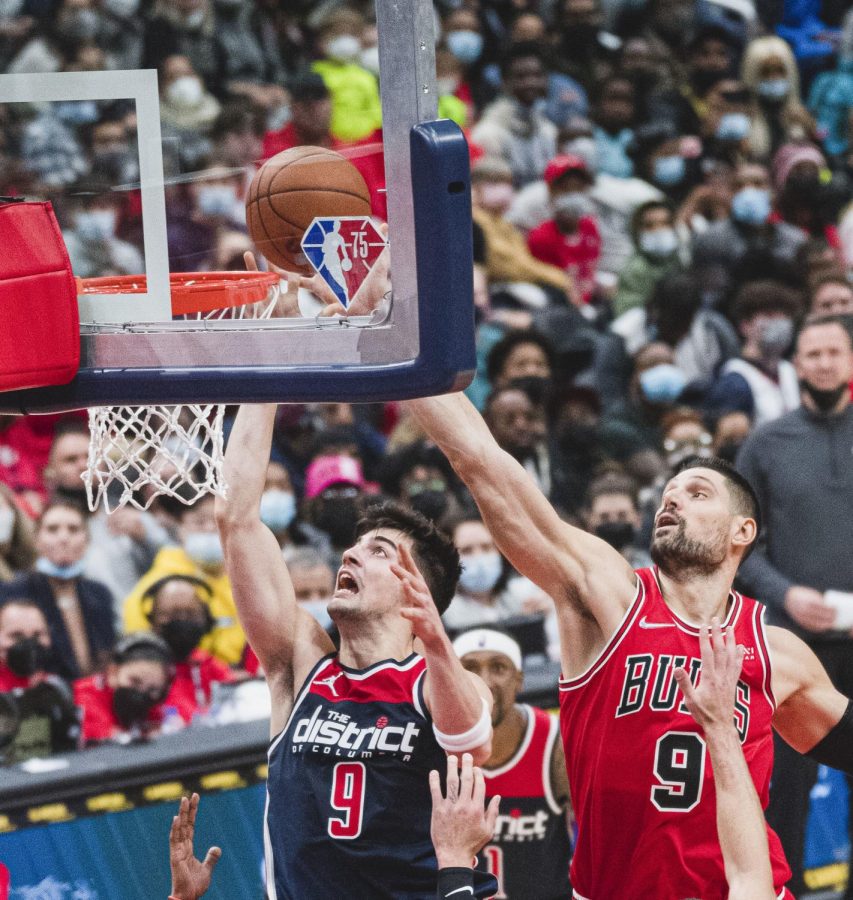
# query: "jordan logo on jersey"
[329,682]
[650,683]
[336,734]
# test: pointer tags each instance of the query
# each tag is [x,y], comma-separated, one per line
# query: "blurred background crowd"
[662,196]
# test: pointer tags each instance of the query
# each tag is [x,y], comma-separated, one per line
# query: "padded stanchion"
[39,321]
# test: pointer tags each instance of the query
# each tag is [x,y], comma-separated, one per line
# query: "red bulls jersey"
[639,771]
[531,845]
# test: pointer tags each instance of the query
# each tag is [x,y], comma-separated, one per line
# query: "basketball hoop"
[137,453]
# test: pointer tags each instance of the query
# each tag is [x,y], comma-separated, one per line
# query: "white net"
[137,453]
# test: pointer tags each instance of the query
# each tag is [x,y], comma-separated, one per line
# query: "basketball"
[290,190]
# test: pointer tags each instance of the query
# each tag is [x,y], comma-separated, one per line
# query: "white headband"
[490,640]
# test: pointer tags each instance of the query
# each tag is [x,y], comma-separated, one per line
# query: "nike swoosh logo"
[459,891]
[644,624]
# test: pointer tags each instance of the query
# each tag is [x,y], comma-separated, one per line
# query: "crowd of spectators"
[661,197]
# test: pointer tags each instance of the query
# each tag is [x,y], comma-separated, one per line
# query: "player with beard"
[638,769]
[355,732]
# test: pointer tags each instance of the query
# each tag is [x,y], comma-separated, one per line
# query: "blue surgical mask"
[662,242]
[663,383]
[204,548]
[480,572]
[77,112]
[217,200]
[96,224]
[669,170]
[465,45]
[65,573]
[733,127]
[574,204]
[751,206]
[278,509]
[774,88]
[344,48]
[775,336]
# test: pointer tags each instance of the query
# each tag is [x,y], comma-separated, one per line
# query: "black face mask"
[132,706]
[432,504]
[182,636]
[338,519]
[28,656]
[617,534]
[823,400]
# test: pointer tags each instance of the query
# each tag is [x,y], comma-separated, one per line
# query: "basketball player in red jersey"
[637,763]
[356,732]
[527,769]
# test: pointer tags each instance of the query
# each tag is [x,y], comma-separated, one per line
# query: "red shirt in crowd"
[577,253]
[9,680]
[191,688]
[95,696]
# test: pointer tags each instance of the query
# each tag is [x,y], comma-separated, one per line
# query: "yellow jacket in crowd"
[227,640]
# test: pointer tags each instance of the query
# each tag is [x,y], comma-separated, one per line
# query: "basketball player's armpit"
[836,749]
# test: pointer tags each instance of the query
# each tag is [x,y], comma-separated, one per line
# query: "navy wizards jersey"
[348,800]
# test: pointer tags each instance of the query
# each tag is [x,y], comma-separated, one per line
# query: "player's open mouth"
[666,519]
[347,586]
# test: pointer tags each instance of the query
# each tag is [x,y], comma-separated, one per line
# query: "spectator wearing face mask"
[760,382]
[199,555]
[612,514]
[17,548]
[463,39]
[309,121]
[726,125]
[313,582]
[279,509]
[188,111]
[747,244]
[803,192]
[770,72]
[655,257]
[79,611]
[356,109]
[178,609]
[25,648]
[514,127]
[94,213]
[700,338]
[334,499]
[487,590]
[507,256]
[831,96]
[419,476]
[122,33]
[124,703]
[570,239]
[185,28]
[656,151]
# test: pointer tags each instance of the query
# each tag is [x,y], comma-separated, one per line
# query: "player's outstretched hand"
[461,826]
[420,608]
[712,702]
[190,878]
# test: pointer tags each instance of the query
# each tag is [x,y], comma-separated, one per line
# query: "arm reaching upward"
[740,819]
[591,583]
[286,639]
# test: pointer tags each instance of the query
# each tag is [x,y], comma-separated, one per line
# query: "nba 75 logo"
[343,251]
[338,735]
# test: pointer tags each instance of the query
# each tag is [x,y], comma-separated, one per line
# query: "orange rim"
[192,292]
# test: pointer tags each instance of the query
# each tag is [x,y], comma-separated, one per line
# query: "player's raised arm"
[573,567]
[813,716]
[284,637]
[740,820]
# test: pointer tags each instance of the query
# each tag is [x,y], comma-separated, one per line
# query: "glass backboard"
[150,152]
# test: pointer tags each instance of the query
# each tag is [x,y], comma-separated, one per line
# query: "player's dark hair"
[432,549]
[501,351]
[744,500]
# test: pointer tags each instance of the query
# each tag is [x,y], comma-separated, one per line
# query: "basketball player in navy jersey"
[527,769]
[635,756]
[355,733]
